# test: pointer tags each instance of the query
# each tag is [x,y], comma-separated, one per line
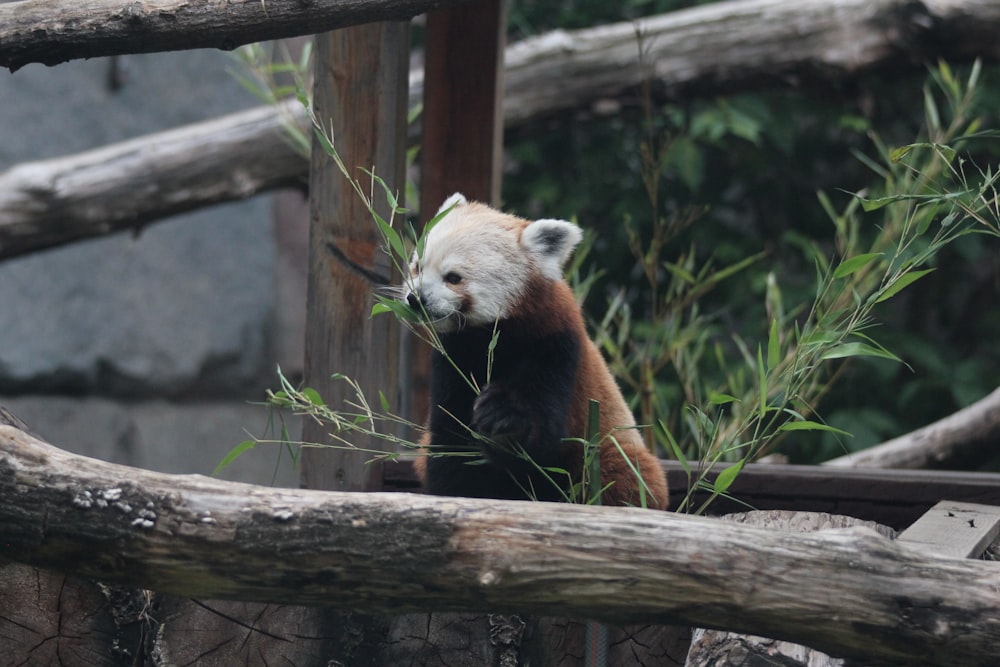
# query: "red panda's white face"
[477,263]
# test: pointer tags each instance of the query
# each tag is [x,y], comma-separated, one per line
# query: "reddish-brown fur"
[551,307]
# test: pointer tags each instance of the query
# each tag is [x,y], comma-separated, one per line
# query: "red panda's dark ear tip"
[551,242]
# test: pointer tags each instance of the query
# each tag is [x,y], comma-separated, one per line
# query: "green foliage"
[735,404]
[750,203]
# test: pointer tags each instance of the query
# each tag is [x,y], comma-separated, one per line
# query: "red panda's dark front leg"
[524,408]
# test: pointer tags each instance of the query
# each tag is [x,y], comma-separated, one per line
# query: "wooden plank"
[462,130]
[463,97]
[895,498]
[361,92]
[954,529]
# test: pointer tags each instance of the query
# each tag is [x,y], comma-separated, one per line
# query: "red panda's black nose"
[413,301]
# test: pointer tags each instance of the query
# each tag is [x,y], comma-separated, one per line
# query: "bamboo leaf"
[674,447]
[233,454]
[853,264]
[762,383]
[931,111]
[726,478]
[773,346]
[807,425]
[902,282]
[858,350]
[313,396]
[391,237]
[401,310]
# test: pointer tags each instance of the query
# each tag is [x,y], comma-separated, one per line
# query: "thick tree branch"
[972,432]
[394,553]
[708,49]
[54,31]
[128,184]
[746,44]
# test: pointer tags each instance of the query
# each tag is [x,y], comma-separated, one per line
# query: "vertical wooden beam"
[361,91]
[463,97]
[462,140]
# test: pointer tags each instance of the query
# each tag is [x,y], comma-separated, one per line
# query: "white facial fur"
[477,263]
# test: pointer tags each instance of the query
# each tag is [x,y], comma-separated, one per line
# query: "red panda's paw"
[495,415]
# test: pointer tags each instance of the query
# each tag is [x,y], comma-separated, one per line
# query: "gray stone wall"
[145,349]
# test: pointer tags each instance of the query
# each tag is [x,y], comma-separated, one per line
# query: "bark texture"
[54,31]
[129,184]
[381,552]
[717,648]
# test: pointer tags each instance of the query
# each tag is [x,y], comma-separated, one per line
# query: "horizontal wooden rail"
[395,552]
[895,498]
[54,31]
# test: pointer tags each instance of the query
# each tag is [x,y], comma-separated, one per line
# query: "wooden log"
[198,537]
[226,632]
[971,432]
[54,31]
[360,95]
[40,205]
[126,185]
[717,648]
[49,618]
[745,44]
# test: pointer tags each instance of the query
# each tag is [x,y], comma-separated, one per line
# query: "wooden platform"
[896,498]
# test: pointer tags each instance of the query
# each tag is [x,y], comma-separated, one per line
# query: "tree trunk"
[712,49]
[393,553]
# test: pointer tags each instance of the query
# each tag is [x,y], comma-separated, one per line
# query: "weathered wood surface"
[463,94]
[956,530]
[360,96]
[775,39]
[717,648]
[690,52]
[971,433]
[129,184]
[49,618]
[54,31]
[395,553]
[895,498]
[220,633]
[744,44]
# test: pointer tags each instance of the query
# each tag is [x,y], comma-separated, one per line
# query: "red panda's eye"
[452,278]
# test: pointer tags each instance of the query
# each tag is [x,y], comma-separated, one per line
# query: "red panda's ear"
[457,199]
[551,242]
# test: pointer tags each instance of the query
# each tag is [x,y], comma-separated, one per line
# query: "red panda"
[482,273]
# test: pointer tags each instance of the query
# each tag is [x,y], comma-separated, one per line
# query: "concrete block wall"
[145,349]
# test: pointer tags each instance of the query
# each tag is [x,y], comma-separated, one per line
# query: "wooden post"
[361,93]
[463,98]
[462,141]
